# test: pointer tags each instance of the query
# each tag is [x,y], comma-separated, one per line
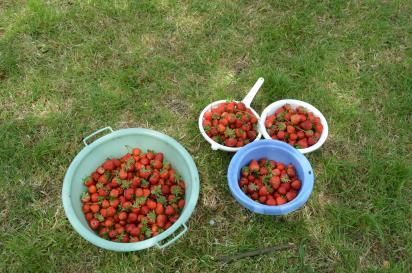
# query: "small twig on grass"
[228,259]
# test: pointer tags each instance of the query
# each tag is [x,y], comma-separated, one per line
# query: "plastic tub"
[270,109]
[278,151]
[247,101]
[116,144]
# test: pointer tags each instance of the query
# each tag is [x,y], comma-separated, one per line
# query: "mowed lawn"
[68,68]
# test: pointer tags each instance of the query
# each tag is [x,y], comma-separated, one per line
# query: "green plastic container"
[116,144]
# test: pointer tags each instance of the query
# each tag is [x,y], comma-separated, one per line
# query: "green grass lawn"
[68,68]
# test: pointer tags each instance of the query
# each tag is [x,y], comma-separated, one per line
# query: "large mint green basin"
[116,144]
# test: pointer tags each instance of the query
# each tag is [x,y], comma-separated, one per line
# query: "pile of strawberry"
[133,198]
[231,124]
[298,127]
[269,182]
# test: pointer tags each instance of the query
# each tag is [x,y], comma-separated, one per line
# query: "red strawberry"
[306,125]
[114,193]
[263,191]
[296,184]
[275,182]
[280,200]
[108,165]
[263,171]
[301,134]
[169,210]
[254,166]
[181,203]
[94,224]
[151,204]
[161,220]
[282,189]
[280,135]
[291,171]
[123,174]
[262,199]
[291,195]
[136,151]
[295,119]
[230,142]
[311,141]
[303,143]
[159,157]
[208,115]
[319,128]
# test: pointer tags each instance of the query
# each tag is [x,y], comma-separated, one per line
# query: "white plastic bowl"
[270,109]
[247,101]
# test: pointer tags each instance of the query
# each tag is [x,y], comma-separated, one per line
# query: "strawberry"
[275,182]
[309,133]
[311,141]
[280,200]
[122,174]
[254,166]
[94,224]
[296,184]
[290,129]
[306,125]
[108,165]
[295,119]
[282,189]
[291,195]
[301,134]
[169,210]
[230,142]
[263,191]
[302,143]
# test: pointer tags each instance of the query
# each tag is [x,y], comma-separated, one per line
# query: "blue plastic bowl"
[280,152]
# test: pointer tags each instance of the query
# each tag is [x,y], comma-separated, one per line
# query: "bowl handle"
[171,241]
[95,133]
[252,93]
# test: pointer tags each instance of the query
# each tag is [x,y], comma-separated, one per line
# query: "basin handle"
[171,241]
[95,133]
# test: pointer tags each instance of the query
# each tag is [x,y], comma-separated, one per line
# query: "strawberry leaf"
[148,233]
[126,184]
[176,191]
[152,216]
[230,133]
[162,200]
[144,182]
[99,217]
[157,190]
[177,177]
[139,201]
[85,195]
[284,179]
